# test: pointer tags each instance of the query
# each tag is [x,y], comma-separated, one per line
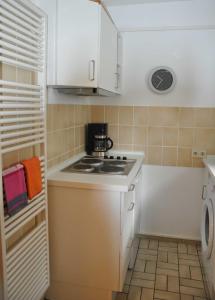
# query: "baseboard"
[166,236]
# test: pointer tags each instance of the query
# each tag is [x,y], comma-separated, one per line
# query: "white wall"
[172,202]
[190,53]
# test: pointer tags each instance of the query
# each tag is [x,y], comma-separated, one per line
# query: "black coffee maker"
[97,140]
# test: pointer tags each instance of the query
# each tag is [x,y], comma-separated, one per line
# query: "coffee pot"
[97,140]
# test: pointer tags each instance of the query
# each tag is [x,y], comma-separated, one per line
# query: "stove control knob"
[111,157]
[124,158]
[118,157]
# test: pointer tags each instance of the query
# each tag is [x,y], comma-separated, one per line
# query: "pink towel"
[15,188]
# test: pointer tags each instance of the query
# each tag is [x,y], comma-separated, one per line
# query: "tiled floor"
[165,269]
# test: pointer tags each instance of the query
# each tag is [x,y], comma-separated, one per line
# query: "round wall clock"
[162,80]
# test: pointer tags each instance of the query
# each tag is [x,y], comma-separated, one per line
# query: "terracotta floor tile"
[161,282]
[167,272]
[196,273]
[165,269]
[147,257]
[144,243]
[167,244]
[168,249]
[150,267]
[173,284]
[163,256]
[153,244]
[172,258]
[184,271]
[142,283]
[182,248]
[186,297]
[192,291]
[147,294]
[192,250]
[192,283]
[169,266]
[140,265]
[148,252]
[166,295]
[188,262]
[188,256]
[141,275]
[134,293]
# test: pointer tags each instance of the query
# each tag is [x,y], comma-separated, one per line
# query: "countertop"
[94,181]
[210,164]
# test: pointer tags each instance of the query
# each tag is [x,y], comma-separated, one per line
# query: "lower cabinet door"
[136,217]
[127,232]
[138,200]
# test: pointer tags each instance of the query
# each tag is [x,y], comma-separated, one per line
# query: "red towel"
[15,189]
[33,176]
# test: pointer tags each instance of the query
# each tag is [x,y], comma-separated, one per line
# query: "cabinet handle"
[131,188]
[203,192]
[131,206]
[92,68]
[117,76]
[117,81]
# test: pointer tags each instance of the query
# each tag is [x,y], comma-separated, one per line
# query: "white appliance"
[208,234]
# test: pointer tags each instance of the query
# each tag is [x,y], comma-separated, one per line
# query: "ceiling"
[133,2]
[138,15]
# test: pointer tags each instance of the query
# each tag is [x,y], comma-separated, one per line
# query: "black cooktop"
[107,165]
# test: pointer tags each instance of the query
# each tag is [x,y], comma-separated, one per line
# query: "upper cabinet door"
[108,78]
[119,63]
[77,43]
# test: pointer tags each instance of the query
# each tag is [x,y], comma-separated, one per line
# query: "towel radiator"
[24,273]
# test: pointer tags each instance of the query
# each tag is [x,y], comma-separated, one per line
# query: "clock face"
[162,80]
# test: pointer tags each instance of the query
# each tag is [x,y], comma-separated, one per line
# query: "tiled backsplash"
[65,131]
[167,135]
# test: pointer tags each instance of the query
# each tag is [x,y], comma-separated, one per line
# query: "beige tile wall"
[65,131]
[167,135]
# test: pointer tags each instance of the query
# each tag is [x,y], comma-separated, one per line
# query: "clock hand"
[161,80]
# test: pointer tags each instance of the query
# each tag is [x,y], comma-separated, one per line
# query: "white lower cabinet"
[91,239]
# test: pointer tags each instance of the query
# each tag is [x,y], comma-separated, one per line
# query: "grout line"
[156,269]
[179,279]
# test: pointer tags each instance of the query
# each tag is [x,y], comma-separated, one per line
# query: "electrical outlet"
[199,153]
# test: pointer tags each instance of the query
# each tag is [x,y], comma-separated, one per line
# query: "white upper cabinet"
[108,53]
[77,43]
[84,52]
